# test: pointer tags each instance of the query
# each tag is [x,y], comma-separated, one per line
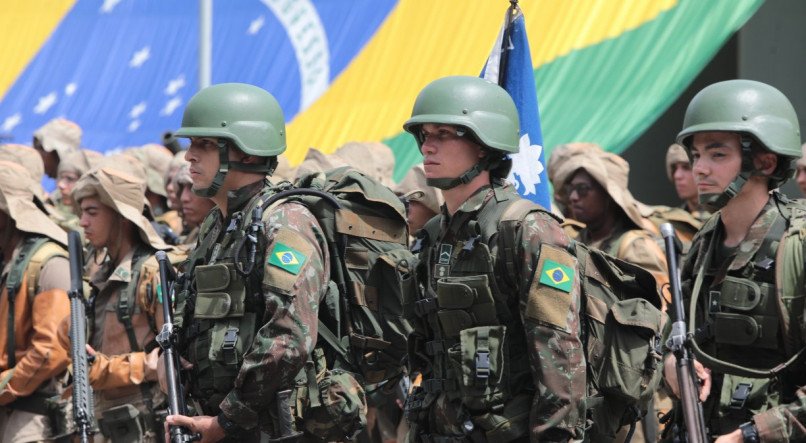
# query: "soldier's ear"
[766,162]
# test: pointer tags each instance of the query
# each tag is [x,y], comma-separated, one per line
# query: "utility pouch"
[464,302]
[743,397]
[480,363]
[220,292]
[60,412]
[510,422]
[743,319]
[630,367]
[122,424]
[740,294]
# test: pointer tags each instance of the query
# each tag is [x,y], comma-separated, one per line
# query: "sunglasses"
[582,189]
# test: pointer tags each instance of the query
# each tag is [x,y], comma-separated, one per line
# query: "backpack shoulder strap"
[47,251]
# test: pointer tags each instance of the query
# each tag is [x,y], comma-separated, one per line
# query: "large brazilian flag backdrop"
[346,70]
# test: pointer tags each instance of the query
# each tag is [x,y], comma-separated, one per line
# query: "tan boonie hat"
[157,161]
[318,161]
[802,160]
[675,154]
[414,188]
[284,171]
[25,156]
[17,199]
[79,161]
[372,158]
[117,184]
[610,171]
[561,153]
[60,135]
[182,175]
[176,162]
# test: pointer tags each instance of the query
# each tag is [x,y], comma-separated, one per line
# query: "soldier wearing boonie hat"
[33,302]
[422,201]
[125,315]
[54,140]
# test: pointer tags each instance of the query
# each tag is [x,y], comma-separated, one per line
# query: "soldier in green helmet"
[271,269]
[743,278]
[497,318]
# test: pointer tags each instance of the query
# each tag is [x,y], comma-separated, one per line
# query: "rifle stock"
[166,339]
[679,342]
[83,414]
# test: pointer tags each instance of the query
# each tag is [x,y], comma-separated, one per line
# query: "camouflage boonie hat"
[611,171]
[60,135]
[373,159]
[802,160]
[117,182]
[414,188]
[17,199]
[157,160]
[675,154]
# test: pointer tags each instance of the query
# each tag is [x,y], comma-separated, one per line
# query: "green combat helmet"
[761,114]
[244,115]
[483,109]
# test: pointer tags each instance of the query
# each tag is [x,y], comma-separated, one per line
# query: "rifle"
[82,391]
[679,342]
[166,339]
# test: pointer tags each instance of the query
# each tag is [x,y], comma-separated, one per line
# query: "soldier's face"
[587,198]
[194,208]
[203,158]
[684,180]
[801,179]
[49,159]
[716,160]
[446,153]
[65,183]
[98,221]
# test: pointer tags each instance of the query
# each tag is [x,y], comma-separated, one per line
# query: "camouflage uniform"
[497,320]
[36,277]
[745,304]
[277,333]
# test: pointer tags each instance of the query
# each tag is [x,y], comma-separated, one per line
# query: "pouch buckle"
[740,394]
[482,365]
[230,340]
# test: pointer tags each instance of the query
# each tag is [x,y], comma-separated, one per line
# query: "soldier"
[194,209]
[800,178]
[678,170]
[71,168]
[507,363]
[156,160]
[125,309]
[33,302]
[743,277]
[241,361]
[422,201]
[54,140]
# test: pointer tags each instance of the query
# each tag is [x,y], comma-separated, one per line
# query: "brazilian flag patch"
[557,276]
[286,258]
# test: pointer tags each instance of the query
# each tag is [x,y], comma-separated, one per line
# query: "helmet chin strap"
[486,163]
[716,201]
[218,180]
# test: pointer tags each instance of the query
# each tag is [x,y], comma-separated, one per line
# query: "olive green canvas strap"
[13,284]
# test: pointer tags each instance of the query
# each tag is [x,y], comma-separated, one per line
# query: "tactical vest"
[475,340]
[746,325]
[222,301]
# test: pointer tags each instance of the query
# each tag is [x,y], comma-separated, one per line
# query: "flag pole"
[205,42]
[502,66]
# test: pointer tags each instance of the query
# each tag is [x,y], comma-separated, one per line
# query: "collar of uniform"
[238,198]
[468,209]
[755,237]
[121,273]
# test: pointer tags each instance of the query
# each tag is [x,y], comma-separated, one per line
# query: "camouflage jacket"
[776,270]
[546,374]
[277,327]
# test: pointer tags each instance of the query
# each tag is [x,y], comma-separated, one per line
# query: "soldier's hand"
[206,426]
[670,375]
[150,364]
[733,437]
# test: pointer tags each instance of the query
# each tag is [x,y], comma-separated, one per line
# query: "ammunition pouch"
[743,314]
[479,363]
[464,302]
[126,424]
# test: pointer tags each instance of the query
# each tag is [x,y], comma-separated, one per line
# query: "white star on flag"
[140,57]
[108,6]
[171,106]
[11,122]
[256,25]
[133,126]
[175,85]
[137,110]
[526,164]
[45,103]
[70,89]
